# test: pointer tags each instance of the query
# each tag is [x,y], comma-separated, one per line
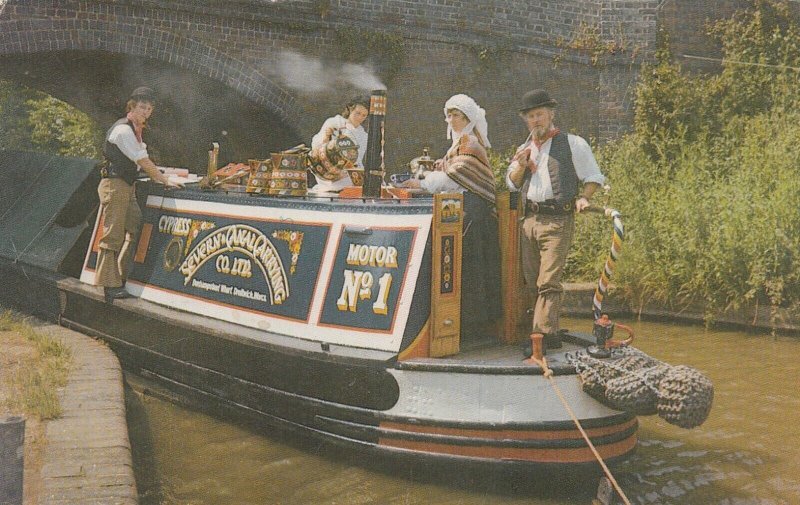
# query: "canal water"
[747,452]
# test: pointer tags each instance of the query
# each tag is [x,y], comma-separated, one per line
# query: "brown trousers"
[545,242]
[121,221]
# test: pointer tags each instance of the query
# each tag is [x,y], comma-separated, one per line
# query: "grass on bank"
[34,384]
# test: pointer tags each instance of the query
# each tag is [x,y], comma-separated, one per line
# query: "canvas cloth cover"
[36,188]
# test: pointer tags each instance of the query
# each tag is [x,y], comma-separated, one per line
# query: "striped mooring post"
[12,443]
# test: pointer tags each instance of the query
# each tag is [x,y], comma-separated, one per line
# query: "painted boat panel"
[318,273]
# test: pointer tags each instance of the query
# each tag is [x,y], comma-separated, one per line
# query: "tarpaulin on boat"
[44,202]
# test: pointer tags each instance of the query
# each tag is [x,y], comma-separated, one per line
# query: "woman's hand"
[330,132]
[411,184]
[438,165]
[155,174]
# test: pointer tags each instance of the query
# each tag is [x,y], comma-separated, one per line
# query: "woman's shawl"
[468,165]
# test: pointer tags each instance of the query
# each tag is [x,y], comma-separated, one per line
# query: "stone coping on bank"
[577,300]
[87,459]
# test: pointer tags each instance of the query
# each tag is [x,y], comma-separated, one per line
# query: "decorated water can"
[288,174]
[260,175]
[421,164]
[329,161]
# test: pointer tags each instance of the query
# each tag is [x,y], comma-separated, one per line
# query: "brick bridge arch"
[33,36]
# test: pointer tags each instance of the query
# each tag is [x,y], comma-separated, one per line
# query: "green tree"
[34,121]
[61,129]
[15,131]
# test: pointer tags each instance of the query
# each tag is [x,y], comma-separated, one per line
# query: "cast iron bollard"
[12,440]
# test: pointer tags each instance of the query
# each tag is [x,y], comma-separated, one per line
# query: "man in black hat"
[125,154]
[548,170]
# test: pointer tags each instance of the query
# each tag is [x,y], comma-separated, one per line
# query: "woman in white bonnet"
[465,169]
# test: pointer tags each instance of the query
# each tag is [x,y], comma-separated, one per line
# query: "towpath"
[86,459]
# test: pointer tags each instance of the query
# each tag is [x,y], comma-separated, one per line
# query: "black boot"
[527,349]
[112,294]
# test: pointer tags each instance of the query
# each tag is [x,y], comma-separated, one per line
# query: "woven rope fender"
[684,397]
[635,392]
[633,362]
[594,375]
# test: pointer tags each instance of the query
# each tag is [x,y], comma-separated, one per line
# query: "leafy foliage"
[708,179]
[499,161]
[34,121]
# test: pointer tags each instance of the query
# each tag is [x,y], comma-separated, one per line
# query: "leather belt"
[548,207]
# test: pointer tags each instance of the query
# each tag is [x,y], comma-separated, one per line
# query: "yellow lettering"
[380,256]
[365,293]
[363,255]
[347,300]
[352,254]
[384,283]
[391,257]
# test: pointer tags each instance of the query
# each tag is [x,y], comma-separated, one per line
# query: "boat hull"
[369,403]
[331,336]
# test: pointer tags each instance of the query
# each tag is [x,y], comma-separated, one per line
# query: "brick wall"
[494,50]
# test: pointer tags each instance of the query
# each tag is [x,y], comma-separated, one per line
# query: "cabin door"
[448,219]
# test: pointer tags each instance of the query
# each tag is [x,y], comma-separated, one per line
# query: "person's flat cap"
[143,93]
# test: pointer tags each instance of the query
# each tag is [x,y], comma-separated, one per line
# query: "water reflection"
[747,452]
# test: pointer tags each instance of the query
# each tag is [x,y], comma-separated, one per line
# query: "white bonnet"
[473,111]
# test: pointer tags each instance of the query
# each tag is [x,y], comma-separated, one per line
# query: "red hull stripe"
[532,454]
[509,434]
[566,455]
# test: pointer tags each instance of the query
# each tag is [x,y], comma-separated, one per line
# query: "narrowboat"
[336,318]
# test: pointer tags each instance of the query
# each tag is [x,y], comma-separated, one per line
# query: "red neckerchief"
[137,127]
[538,143]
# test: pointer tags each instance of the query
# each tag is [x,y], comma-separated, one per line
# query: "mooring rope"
[611,261]
[548,373]
[597,305]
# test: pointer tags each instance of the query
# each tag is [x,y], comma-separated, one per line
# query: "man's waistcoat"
[119,165]
[563,178]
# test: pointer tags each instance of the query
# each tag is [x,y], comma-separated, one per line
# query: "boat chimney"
[213,154]
[373,158]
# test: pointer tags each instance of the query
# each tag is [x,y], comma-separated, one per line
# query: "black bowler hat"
[535,99]
[143,94]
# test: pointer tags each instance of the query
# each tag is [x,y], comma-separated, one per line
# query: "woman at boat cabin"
[465,169]
[548,170]
[124,157]
[350,123]
[465,166]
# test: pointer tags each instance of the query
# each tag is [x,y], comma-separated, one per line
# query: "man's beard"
[541,131]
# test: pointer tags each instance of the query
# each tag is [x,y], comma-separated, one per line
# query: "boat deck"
[498,358]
